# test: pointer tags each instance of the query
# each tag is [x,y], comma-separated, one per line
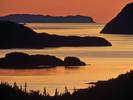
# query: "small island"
[122,23]
[19,60]
[14,35]
[31,18]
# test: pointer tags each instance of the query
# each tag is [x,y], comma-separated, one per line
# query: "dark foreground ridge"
[122,23]
[120,88]
[13,35]
[30,18]
[20,60]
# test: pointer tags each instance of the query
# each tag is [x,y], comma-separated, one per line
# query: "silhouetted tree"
[25,87]
[45,92]
[56,92]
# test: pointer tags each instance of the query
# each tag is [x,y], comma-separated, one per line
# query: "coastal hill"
[120,88]
[30,18]
[122,23]
[19,60]
[13,35]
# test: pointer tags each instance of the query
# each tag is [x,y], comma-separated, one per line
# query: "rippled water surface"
[103,62]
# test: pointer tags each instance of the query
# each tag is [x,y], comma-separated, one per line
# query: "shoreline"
[99,87]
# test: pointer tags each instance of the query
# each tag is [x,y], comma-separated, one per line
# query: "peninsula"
[14,35]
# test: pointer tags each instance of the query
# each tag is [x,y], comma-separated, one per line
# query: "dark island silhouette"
[120,88]
[13,35]
[19,60]
[30,18]
[122,23]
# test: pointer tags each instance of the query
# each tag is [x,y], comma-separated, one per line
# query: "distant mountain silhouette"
[19,60]
[13,35]
[122,23]
[30,18]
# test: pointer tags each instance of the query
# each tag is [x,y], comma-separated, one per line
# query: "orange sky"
[101,10]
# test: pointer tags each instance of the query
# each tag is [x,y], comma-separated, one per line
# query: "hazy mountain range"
[30,18]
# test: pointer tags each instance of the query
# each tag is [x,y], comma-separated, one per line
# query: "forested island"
[20,60]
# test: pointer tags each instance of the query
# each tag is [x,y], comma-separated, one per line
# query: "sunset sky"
[101,10]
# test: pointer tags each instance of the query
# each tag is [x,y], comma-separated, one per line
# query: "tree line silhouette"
[120,88]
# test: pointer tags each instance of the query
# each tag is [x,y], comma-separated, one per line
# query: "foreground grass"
[120,88]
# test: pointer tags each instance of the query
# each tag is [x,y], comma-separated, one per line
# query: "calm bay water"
[105,62]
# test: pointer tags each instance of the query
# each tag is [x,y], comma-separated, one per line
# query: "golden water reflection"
[105,62]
